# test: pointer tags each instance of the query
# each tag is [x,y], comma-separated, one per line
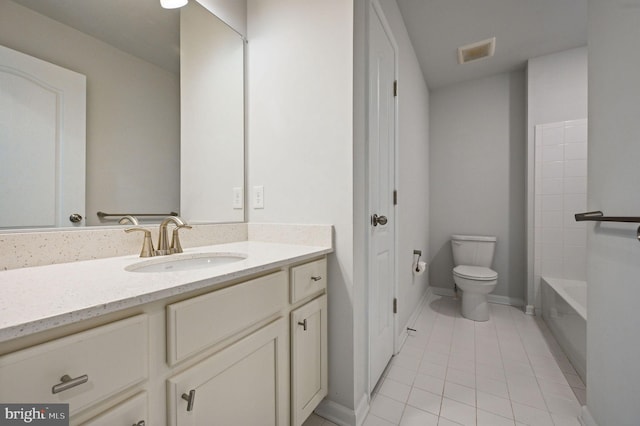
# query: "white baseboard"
[504,300]
[492,298]
[362,410]
[530,310]
[341,415]
[443,291]
[585,417]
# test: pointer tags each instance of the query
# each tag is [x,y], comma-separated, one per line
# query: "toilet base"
[475,306]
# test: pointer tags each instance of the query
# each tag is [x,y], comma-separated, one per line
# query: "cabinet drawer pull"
[317,278]
[140,423]
[303,324]
[190,399]
[68,383]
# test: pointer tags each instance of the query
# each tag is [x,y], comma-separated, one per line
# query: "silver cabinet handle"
[303,324]
[140,423]
[318,278]
[190,399]
[67,383]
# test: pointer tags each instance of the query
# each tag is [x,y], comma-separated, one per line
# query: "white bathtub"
[564,309]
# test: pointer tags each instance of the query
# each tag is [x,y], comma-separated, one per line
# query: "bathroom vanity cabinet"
[251,351]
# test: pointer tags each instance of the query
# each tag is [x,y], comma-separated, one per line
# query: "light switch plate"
[238,200]
[258,197]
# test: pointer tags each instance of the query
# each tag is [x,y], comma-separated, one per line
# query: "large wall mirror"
[161,136]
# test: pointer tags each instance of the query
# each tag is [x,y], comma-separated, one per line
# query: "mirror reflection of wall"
[212,118]
[133,103]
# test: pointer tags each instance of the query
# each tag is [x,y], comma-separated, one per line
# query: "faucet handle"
[175,239]
[147,244]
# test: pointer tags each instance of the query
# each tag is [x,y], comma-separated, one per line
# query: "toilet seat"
[476,273]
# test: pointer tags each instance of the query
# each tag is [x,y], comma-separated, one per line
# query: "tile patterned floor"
[453,371]
[315,420]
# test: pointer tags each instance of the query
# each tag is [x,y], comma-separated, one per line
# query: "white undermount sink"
[185,262]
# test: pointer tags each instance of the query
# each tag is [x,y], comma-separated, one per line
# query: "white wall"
[133,113]
[232,12]
[412,148]
[306,146]
[300,132]
[212,112]
[477,176]
[613,347]
[557,87]
[556,91]
[360,208]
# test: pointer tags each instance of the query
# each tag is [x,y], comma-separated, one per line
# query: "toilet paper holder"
[417,261]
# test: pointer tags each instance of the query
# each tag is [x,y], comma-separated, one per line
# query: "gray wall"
[477,176]
[613,347]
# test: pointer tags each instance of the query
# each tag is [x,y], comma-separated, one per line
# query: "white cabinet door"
[308,358]
[245,384]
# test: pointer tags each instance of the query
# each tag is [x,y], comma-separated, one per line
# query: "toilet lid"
[475,272]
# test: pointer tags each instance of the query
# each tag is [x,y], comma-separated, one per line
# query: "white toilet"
[472,257]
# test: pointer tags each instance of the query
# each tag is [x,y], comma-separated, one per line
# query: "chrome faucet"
[163,244]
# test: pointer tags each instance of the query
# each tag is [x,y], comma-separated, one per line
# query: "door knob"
[75,218]
[378,220]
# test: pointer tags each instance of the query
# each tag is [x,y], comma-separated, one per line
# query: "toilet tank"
[473,250]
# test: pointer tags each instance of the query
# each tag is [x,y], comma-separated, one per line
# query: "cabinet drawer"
[111,358]
[308,279]
[203,321]
[133,411]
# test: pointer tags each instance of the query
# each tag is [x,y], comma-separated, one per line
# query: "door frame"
[375,7]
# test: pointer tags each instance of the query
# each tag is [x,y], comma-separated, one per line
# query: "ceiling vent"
[476,51]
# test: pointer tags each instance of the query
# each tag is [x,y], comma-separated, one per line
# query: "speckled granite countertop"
[41,298]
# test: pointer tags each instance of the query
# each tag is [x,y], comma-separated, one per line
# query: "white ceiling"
[523,29]
[139,27]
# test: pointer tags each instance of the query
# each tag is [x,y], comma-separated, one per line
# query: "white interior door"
[42,142]
[381,181]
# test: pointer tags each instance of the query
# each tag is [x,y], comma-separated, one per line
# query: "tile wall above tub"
[560,192]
